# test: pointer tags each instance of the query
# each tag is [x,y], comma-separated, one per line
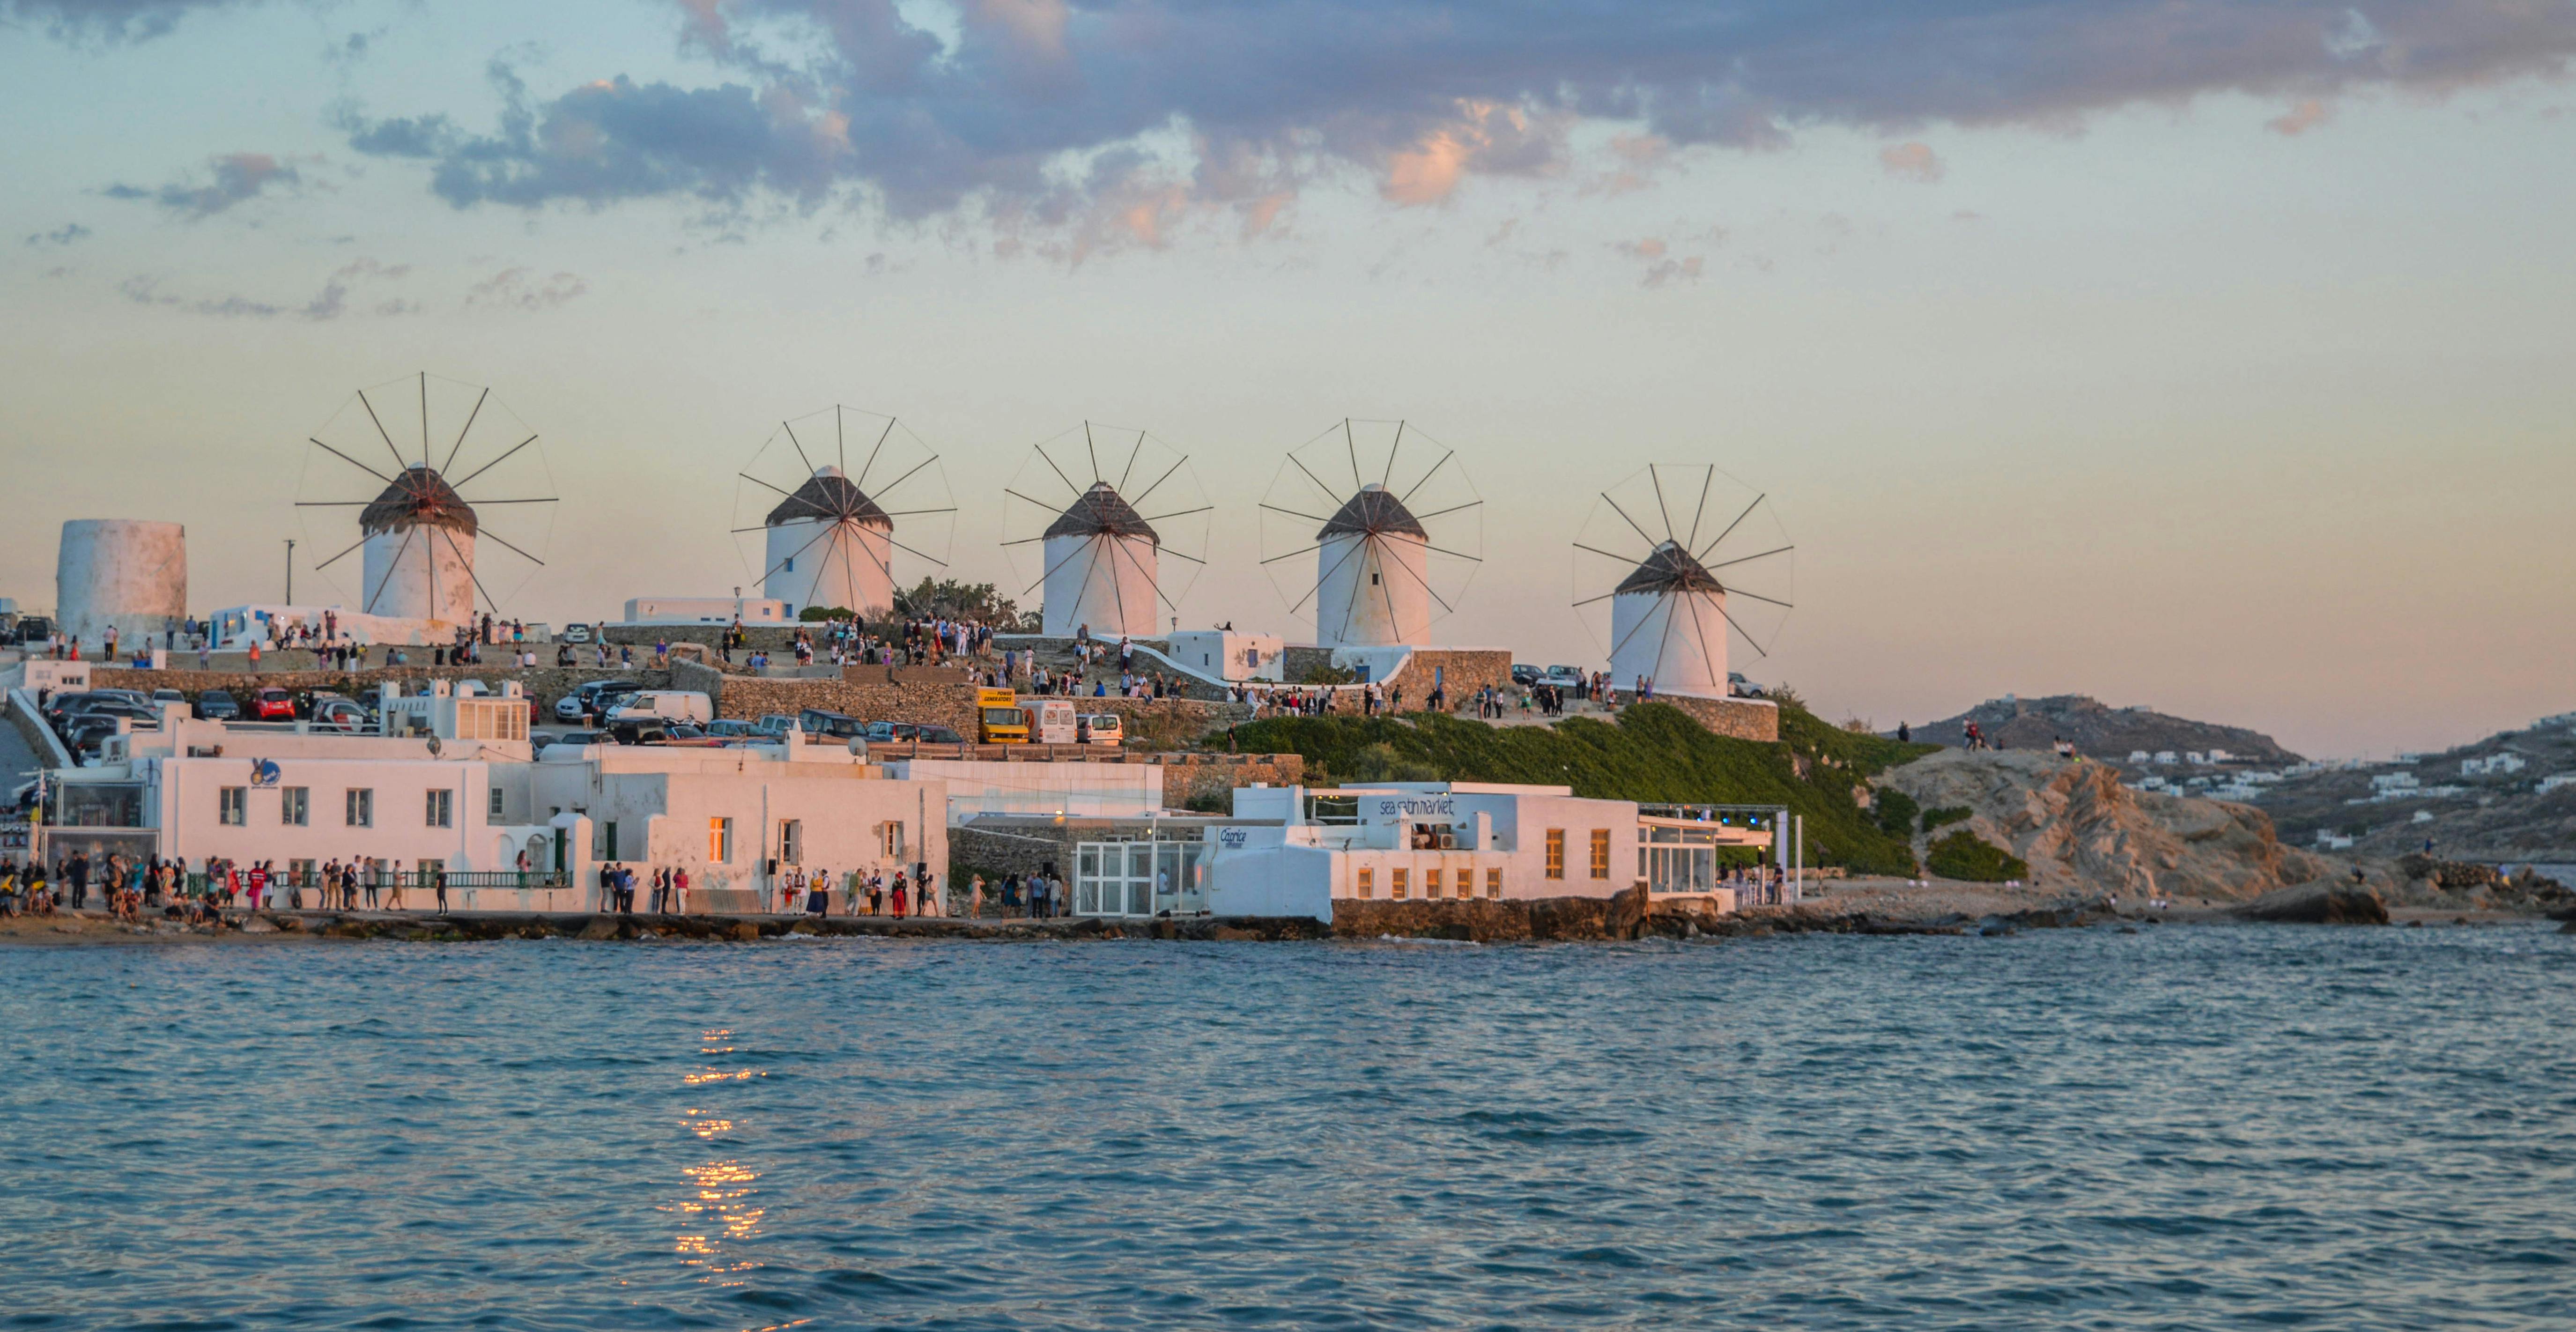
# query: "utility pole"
[290,571]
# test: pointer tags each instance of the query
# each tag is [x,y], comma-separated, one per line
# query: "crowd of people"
[128,888]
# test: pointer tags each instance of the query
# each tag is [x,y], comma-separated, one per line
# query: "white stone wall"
[419,573]
[1372,593]
[1675,639]
[124,572]
[1105,582]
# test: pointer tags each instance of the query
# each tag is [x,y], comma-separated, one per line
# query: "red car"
[272,705]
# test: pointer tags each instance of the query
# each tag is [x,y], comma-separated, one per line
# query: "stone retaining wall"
[1742,719]
[1626,916]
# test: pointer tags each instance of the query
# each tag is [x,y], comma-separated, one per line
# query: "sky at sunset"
[2209,355]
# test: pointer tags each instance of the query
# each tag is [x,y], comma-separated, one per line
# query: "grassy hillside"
[1653,753]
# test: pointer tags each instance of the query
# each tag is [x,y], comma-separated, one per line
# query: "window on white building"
[720,840]
[1367,882]
[232,805]
[893,840]
[494,813]
[361,807]
[1494,882]
[1556,853]
[295,806]
[442,809]
[1600,853]
[1395,883]
[791,841]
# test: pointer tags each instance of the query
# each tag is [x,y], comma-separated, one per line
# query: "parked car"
[662,705]
[472,689]
[86,734]
[1562,677]
[342,714]
[34,628]
[1524,675]
[776,726]
[69,708]
[575,738]
[161,696]
[218,705]
[272,704]
[1100,728]
[730,728]
[574,633]
[674,733]
[826,727]
[591,698]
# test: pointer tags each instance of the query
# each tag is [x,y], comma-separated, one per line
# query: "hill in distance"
[2100,731]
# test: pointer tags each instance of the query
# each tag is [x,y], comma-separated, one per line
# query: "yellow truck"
[999,718]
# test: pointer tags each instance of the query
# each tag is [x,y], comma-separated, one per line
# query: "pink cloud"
[1912,161]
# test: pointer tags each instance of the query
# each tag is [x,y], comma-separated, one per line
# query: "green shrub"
[1965,856]
[1934,818]
[816,614]
[1895,810]
[1325,673]
[1653,753]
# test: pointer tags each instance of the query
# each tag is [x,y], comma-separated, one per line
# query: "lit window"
[1600,853]
[1395,885]
[1431,884]
[294,806]
[1368,883]
[232,805]
[720,840]
[361,809]
[1556,853]
[1494,883]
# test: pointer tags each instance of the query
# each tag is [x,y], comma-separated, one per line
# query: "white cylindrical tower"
[830,545]
[1101,560]
[1372,585]
[123,572]
[1668,626]
[419,551]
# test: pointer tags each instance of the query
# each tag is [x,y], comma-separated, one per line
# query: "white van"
[1101,728]
[663,705]
[1050,720]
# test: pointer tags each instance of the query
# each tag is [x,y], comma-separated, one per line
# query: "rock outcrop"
[2097,729]
[2319,903]
[2081,830]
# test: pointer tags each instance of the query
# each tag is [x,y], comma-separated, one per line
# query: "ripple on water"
[2178,1128]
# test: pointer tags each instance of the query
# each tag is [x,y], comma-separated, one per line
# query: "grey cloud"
[237,177]
[105,20]
[824,96]
[62,235]
[329,303]
[521,289]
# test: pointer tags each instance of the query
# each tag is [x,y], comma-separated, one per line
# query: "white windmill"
[1687,559]
[1102,507]
[1393,549]
[423,518]
[835,540]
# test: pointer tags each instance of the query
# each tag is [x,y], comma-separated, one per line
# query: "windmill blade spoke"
[1700,627]
[1445,607]
[1392,450]
[1455,554]
[912,513]
[1319,481]
[399,464]
[1295,553]
[1178,513]
[1356,482]
[1069,486]
[871,465]
[485,504]
[1758,649]
[1355,548]
[1442,513]
[1166,550]
[1740,592]
[1656,475]
[1746,559]
[470,575]
[1589,600]
[1426,476]
[765,485]
[800,447]
[454,449]
[454,485]
[1623,559]
[1130,469]
[1663,645]
[332,504]
[513,549]
[1706,476]
[1730,527]
[336,558]
[424,420]
[1139,501]
[1642,622]
[349,460]
[897,484]
[1295,514]
[923,554]
[789,559]
[1651,543]
[1150,579]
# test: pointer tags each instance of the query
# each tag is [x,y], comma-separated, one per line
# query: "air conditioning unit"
[1448,841]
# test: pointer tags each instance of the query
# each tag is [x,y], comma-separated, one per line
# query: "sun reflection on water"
[717,1208]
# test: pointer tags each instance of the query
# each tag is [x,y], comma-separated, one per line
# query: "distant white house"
[2165,757]
[705,610]
[2555,781]
[2138,756]
[2491,765]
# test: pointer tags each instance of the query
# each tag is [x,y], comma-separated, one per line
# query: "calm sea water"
[2179,1128]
